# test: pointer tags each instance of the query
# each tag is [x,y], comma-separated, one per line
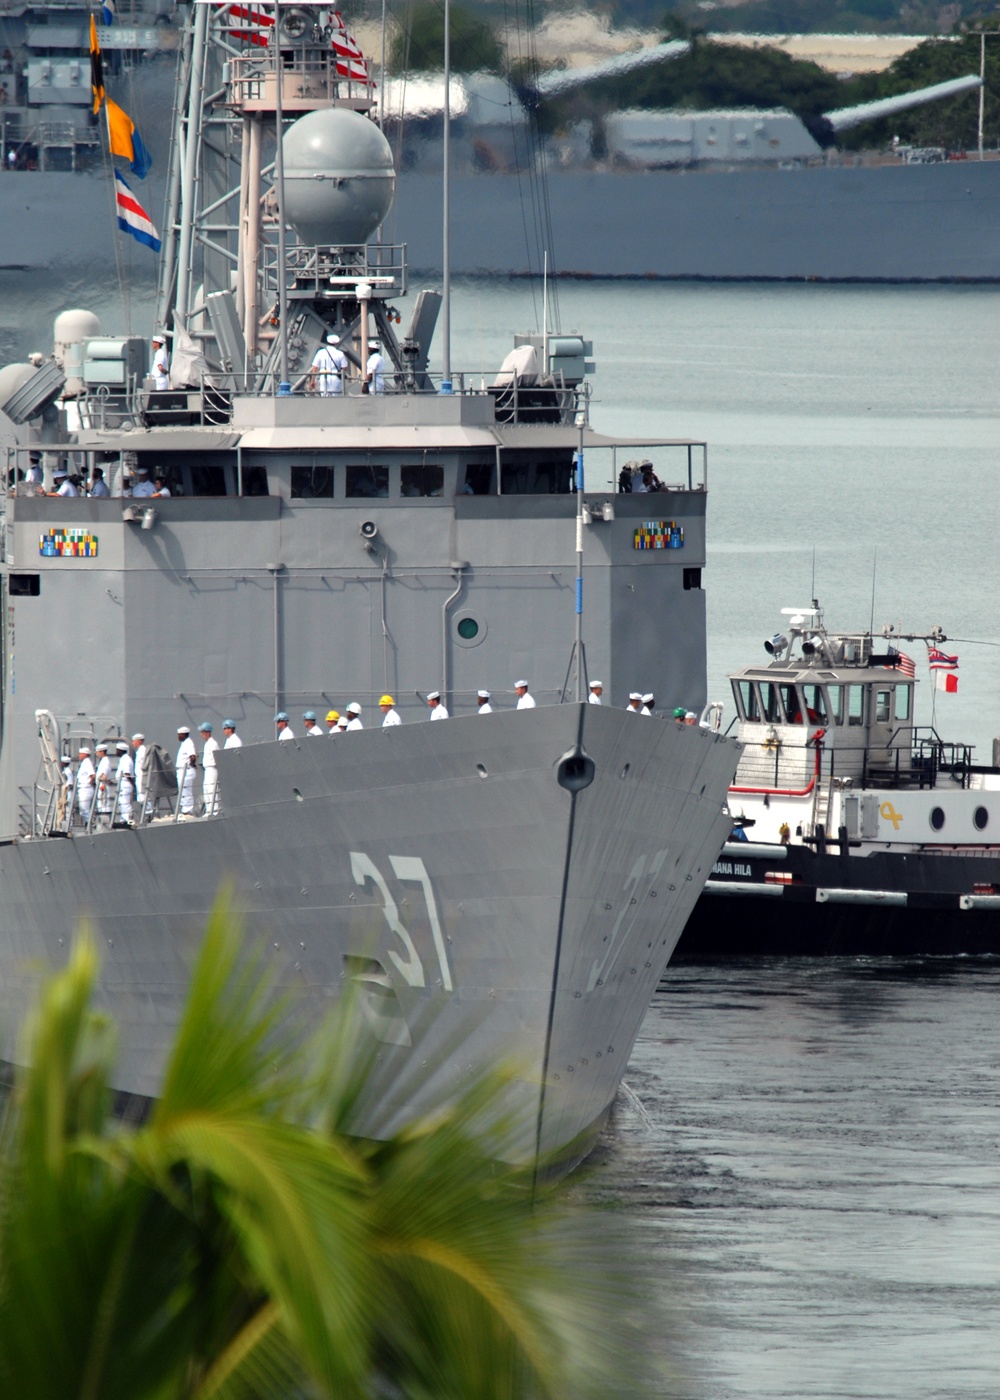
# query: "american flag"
[904,663]
[944,670]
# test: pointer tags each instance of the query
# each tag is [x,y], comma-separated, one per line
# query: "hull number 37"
[407,870]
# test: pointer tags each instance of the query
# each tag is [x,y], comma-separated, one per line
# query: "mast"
[446,223]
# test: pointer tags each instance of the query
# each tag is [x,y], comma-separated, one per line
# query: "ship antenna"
[284,386]
[871,624]
[581,422]
[446,219]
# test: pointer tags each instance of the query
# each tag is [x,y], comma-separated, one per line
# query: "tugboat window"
[309,482]
[883,706]
[980,818]
[772,704]
[937,818]
[903,702]
[746,700]
[815,704]
[367,481]
[422,481]
[855,704]
[793,708]
[836,694]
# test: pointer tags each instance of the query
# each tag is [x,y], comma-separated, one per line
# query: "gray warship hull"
[485,912]
[919,223]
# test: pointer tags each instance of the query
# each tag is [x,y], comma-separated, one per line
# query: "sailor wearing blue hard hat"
[312,728]
[210,780]
[284,729]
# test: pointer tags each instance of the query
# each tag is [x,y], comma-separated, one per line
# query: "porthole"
[980,819]
[468,629]
[937,818]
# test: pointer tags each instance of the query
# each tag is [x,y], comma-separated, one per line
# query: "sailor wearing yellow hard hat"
[331,721]
[386,705]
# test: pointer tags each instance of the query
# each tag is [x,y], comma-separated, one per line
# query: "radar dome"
[339,177]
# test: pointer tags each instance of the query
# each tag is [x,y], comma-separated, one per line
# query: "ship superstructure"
[505,885]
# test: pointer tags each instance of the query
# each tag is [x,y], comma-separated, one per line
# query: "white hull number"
[407,870]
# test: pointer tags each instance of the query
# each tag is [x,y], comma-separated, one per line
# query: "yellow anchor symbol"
[888,811]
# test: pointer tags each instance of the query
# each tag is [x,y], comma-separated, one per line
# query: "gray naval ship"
[502,886]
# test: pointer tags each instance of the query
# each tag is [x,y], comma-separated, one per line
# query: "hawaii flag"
[944,670]
[132,218]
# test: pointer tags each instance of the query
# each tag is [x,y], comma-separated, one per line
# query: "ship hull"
[881,904]
[484,913]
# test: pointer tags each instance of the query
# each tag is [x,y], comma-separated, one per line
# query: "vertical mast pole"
[581,419]
[982,85]
[284,387]
[446,229]
[189,175]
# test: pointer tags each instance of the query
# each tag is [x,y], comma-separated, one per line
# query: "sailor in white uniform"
[332,716]
[596,691]
[61,484]
[34,475]
[483,703]
[634,705]
[66,791]
[648,702]
[105,783]
[525,701]
[233,740]
[375,369]
[142,486]
[140,751]
[386,705]
[284,728]
[186,766]
[159,370]
[125,779]
[353,716]
[312,728]
[438,711]
[328,368]
[86,785]
[98,486]
[344,723]
[210,773]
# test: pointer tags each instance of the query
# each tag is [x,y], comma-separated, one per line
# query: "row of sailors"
[119,791]
[337,723]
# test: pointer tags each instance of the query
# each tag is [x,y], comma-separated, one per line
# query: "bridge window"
[310,482]
[480,479]
[367,481]
[903,693]
[208,480]
[836,694]
[422,481]
[856,704]
[537,477]
[883,706]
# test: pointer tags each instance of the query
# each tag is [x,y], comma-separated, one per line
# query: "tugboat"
[857,831]
[508,884]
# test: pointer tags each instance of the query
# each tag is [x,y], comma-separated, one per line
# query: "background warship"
[504,885]
[715,195]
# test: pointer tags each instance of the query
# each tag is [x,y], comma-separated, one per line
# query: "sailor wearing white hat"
[210,772]
[62,805]
[61,484]
[596,691]
[354,716]
[344,723]
[142,486]
[438,711]
[125,779]
[525,701]
[139,755]
[328,368]
[186,766]
[647,703]
[86,783]
[105,782]
[160,368]
[634,703]
[375,369]
[483,701]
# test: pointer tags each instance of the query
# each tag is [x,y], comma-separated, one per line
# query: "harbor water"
[811,1149]
[810,1152]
